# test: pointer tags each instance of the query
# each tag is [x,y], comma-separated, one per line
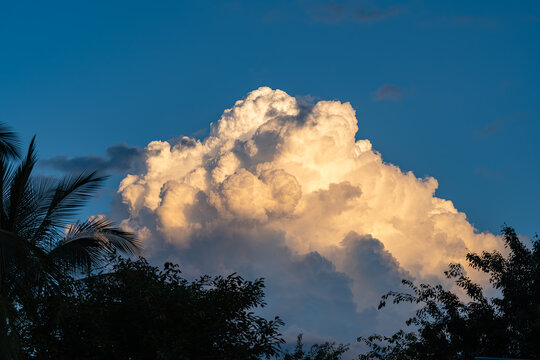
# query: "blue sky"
[463,105]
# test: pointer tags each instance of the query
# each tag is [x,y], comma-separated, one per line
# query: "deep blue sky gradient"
[85,75]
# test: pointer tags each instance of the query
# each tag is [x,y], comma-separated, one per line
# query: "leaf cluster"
[448,327]
[138,311]
[325,351]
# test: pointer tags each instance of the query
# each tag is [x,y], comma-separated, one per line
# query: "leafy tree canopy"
[138,311]
[448,327]
[326,351]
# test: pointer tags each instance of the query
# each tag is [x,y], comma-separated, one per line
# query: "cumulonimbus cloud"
[282,189]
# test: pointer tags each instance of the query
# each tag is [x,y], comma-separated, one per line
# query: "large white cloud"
[282,189]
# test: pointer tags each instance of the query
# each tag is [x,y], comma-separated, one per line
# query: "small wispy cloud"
[351,12]
[388,92]
[491,128]
[474,20]
[329,12]
[119,158]
[463,20]
[499,124]
[487,173]
[374,14]
[200,133]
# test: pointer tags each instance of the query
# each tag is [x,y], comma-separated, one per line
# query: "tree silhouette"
[507,325]
[39,241]
[325,351]
[138,311]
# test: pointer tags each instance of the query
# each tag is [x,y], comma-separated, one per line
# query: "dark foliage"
[449,328]
[36,251]
[9,143]
[326,351]
[137,311]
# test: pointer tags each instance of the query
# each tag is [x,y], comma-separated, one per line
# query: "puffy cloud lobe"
[282,189]
[243,195]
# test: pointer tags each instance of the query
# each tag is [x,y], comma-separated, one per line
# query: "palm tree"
[39,241]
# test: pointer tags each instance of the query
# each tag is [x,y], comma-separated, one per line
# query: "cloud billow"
[282,189]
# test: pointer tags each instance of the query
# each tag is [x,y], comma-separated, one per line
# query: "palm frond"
[9,142]
[16,250]
[20,189]
[5,175]
[64,200]
[90,242]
